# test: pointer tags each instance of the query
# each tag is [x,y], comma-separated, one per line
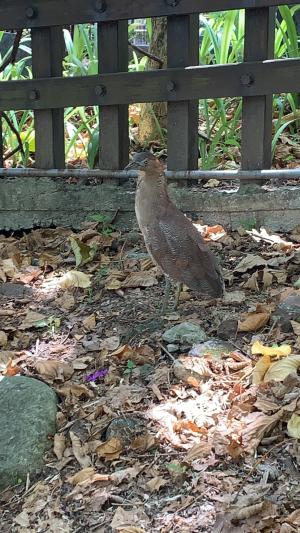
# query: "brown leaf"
[12,369]
[249,262]
[110,343]
[79,451]
[251,283]
[257,426]
[254,320]
[3,338]
[65,302]
[198,451]
[139,355]
[142,443]
[79,391]
[156,483]
[53,370]
[82,475]
[296,327]
[110,450]
[260,369]
[140,279]
[59,445]
[32,319]
[89,322]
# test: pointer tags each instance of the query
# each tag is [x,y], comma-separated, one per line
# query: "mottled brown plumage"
[171,239]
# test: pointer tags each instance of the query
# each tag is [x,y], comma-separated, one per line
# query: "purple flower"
[96,375]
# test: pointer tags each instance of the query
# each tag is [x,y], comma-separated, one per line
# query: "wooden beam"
[113,122]
[257,111]
[18,14]
[183,51]
[130,87]
[47,56]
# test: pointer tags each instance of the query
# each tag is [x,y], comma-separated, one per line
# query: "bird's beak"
[133,165]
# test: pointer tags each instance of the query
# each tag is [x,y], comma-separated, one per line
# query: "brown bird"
[172,241]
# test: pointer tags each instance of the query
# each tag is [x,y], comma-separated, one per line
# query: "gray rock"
[185,333]
[290,307]
[214,347]
[172,348]
[27,417]
[15,290]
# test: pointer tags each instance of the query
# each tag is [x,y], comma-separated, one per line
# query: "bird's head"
[146,164]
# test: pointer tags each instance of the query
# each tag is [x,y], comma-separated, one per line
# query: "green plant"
[105,225]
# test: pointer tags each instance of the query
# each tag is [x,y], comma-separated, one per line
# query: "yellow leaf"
[74,278]
[260,369]
[280,351]
[281,369]
[293,426]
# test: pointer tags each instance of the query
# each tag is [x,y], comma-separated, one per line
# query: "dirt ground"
[150,439]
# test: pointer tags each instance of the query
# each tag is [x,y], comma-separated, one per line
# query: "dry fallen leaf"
[79,451]
[257,426]
[74,278]
[110,450]
[110,343]
[65,302]
[89,322]
[260,369]
[3,338]
[82,475]
[198,451]
[32,319]
[249,262]
[293,427]
[254,321]
[78,391]
[280,351]
[144,442]
[281,369]
[139,279]
[54,370]
[156,483]
[296,327]
[59,445]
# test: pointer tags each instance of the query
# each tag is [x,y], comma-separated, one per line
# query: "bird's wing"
[180,250]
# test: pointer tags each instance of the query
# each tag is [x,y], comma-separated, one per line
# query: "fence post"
[1,141]
[113,120]
[183,51]
[47,57]
[257,110]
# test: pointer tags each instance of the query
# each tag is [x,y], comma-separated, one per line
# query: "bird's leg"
[166,294]
[177,294]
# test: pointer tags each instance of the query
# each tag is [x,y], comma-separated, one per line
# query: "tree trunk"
[154,116]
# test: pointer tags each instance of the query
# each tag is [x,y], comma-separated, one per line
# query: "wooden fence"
[182,84]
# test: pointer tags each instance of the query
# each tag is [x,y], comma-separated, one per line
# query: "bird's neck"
[151,200]
[153,189]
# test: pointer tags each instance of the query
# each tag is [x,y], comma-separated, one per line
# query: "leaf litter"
[149,440]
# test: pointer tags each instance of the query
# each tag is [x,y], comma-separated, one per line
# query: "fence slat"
[183,51]
[129,87]
[47,56]
[113,121]
[18,14]
[257,111]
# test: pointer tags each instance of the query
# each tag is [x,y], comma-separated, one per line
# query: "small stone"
[228,329]
[145,371]
[172,348]
[15,290]
[185,333]
[215,348]
[125,429]
[290,307]
[28,410]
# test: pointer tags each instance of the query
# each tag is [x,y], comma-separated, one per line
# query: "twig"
[147,54]
[167,352]
[13,56]
[17,134]
[254,467]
